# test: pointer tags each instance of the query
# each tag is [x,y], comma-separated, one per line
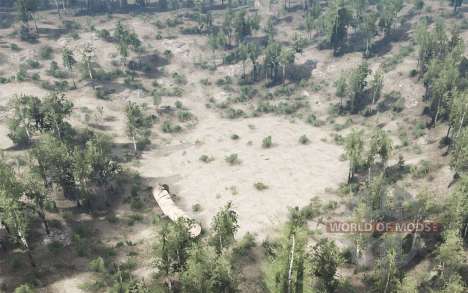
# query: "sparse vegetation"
[117,116]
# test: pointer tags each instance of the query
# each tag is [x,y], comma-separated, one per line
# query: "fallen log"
[171,210]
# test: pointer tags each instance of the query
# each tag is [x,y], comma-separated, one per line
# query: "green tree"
[388,12]
[172,249]
[53,162]
[69,62]
[387,275]
[286,59]
[335,23]
[357,85]
[354,146]
[93,168]
[15,216]
[272,60]
[87,58]
[25,11]
[450,254]
[458,114]
[138,124]
[326,258]
[341,87]
[55,108]
[224,228]
[208,272]
[441,80]
[253,51]
[454,285]
[380,145]
[243,53]
[26,118]
[37,196]
[456,4]
[368,27]
[376,86]
[286,270]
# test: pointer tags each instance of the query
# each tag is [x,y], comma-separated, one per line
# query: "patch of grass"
[232,113]
[267,142]
[168,127]
[134,218]
[304,139]
[233,159]
[419,129]
[184,116]
[260,186]
[421,170]
[97,265]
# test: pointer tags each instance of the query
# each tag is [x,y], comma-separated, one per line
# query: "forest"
[126,125]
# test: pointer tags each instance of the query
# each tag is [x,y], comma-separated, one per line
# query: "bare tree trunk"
[291,262]
[134,143]
[462,120]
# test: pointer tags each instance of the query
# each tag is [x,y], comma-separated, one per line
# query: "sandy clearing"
[70,284]
[294,173]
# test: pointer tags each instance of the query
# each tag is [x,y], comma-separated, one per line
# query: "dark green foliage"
[138,125]
[46,52]
[33,115]
[326,258]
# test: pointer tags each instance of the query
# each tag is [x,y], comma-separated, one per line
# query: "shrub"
[232,113]
[18,134]
[168,127]
[97,265]
[422,170]
[196,207]
[184,116]
[34,64]
[233,159]
[178,104]
[104,34]
[235,137]
[24,289]
[21,75]
[267,142]
[260,186]
[304,139]
[312,120]
[179,79]
[419,129]
[46,52]
[15,47]
[244,245]
[206,159]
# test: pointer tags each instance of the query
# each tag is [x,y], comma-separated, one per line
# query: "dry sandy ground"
[293,172]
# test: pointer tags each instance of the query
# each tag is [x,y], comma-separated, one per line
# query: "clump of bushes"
[168,127]
[233,159]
